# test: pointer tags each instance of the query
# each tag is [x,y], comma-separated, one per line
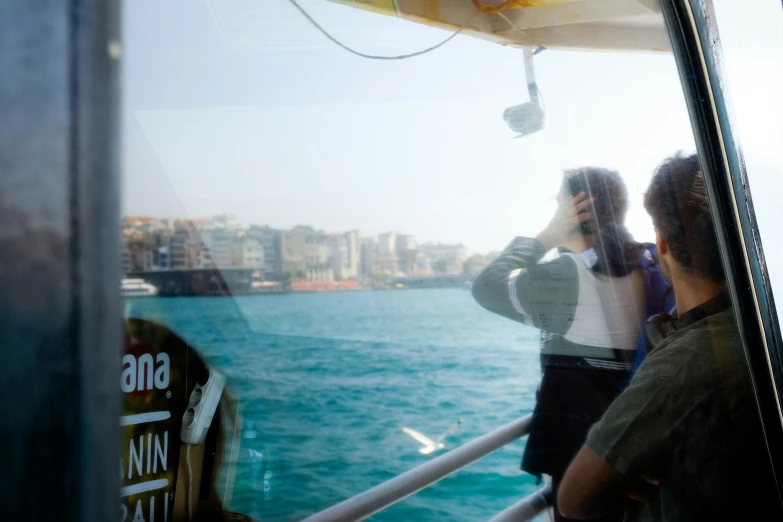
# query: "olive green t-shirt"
[689,418]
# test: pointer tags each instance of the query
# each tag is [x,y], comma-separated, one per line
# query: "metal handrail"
[402,486]
[528,508]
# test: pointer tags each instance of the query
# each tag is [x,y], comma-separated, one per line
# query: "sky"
[290,129]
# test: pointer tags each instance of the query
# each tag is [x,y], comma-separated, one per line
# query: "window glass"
[327,233]
[757,112]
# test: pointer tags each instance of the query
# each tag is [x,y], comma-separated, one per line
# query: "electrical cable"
[190,483]
[377,57]
[543,101]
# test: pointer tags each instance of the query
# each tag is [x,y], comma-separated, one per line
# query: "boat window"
[757,115]
[339,268]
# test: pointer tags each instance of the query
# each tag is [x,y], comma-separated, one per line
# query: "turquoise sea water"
[328,381]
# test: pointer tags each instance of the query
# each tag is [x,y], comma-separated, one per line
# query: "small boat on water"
[137,288]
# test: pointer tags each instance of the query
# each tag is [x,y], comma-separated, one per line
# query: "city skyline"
[206,220]
[299,253]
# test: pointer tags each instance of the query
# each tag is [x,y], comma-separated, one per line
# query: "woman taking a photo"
[588,303]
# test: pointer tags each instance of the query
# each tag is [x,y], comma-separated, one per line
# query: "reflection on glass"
[312,223]
[588,300]
[673,443]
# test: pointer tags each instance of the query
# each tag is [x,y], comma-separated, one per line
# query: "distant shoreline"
[238,281]
[300,292]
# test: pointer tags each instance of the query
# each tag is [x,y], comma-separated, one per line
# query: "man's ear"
[661,244]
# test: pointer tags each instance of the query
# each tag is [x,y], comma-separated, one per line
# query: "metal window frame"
[78,388]
[697,49]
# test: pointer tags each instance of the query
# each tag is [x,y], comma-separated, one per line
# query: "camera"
[525,119]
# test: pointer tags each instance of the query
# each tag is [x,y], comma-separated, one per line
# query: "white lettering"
[157,454]
[149,450]
[128,380]
[162,453]
[162,371]
[144,373]
[135,457]
[145,361]
[139,517]
[139,512]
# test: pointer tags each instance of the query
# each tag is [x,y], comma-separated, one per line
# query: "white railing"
[402,486]
[528,508]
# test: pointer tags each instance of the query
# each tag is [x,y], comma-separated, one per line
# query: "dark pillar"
[60,314]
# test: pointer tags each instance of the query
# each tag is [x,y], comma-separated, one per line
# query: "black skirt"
[568,403]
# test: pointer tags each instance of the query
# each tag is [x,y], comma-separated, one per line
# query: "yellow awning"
[610,25]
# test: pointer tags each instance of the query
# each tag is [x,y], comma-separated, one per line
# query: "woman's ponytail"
[618,253]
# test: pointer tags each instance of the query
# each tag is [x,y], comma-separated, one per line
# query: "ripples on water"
[328,380]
